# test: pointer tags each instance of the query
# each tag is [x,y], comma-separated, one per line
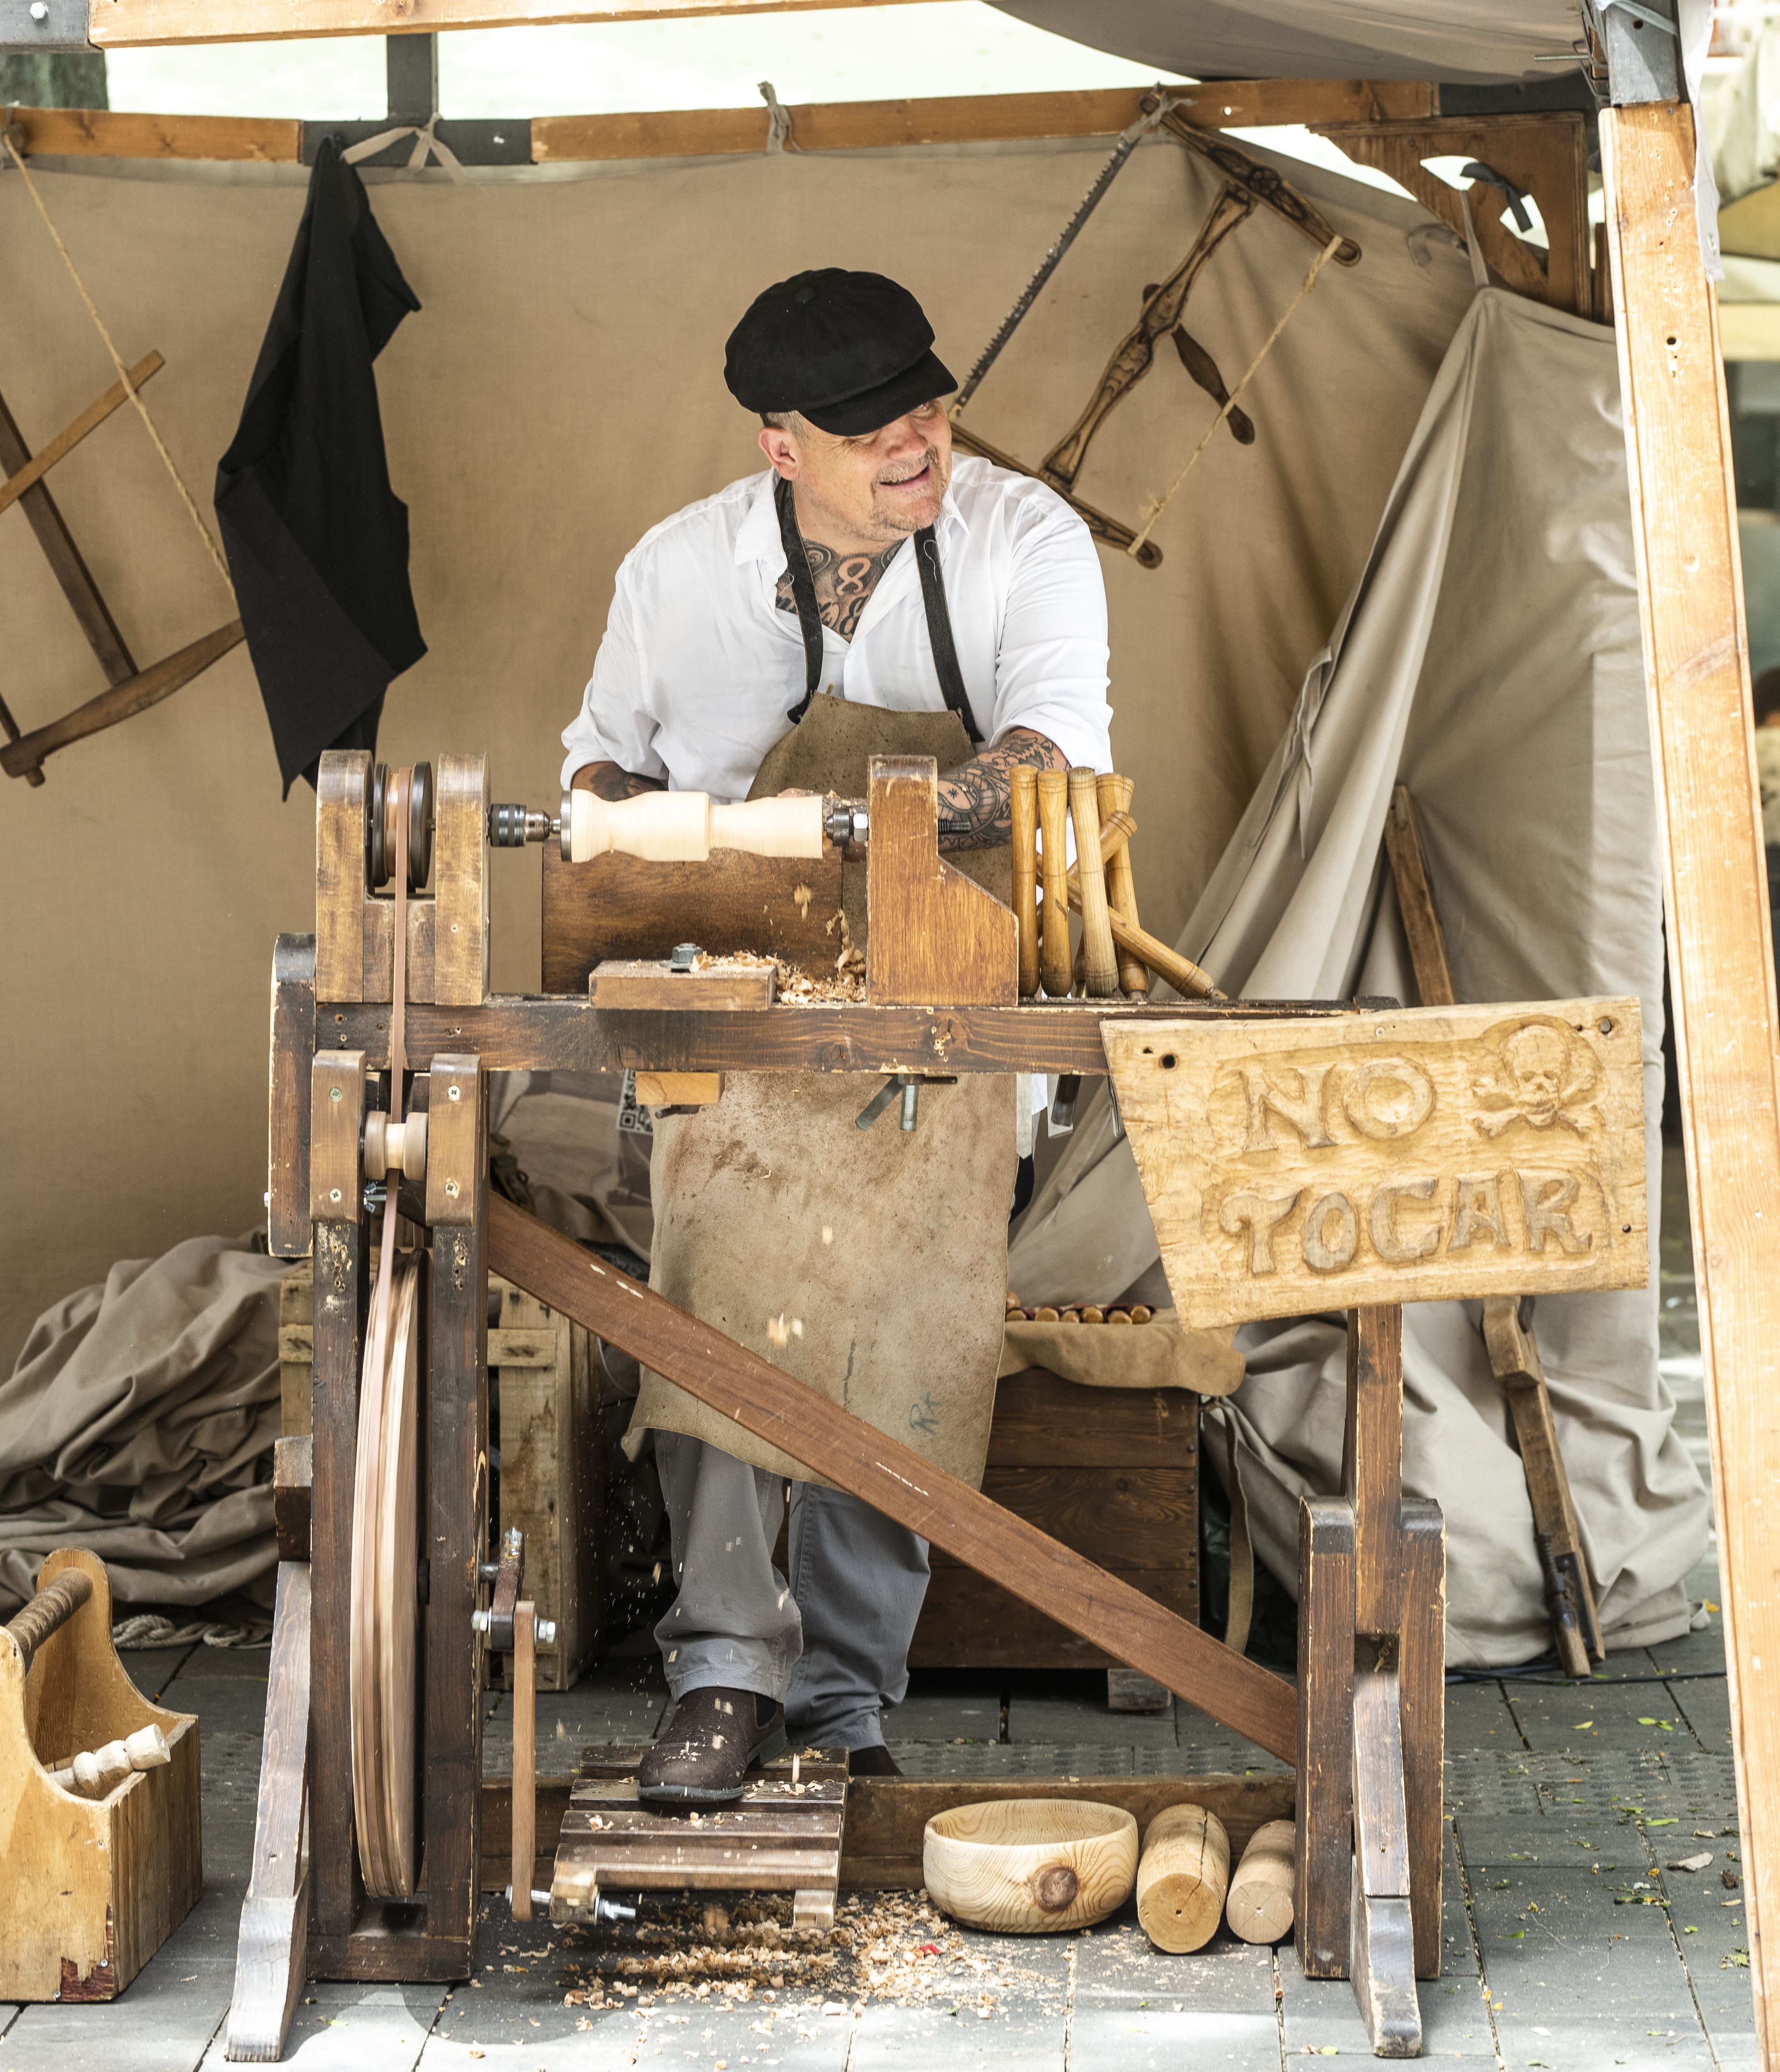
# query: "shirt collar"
[757,537]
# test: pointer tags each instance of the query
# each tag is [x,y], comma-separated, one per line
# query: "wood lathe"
[383,1033]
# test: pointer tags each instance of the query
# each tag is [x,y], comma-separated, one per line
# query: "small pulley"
[380,828]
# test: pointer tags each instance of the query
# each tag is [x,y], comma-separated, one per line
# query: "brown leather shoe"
[715,1737]
[875,1761]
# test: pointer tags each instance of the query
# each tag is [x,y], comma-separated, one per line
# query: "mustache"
[930,458]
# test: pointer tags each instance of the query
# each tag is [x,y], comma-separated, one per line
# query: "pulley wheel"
[379,828]
[384,1651]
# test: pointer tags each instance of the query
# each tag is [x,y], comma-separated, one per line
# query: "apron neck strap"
[809,619]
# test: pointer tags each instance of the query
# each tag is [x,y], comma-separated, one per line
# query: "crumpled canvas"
[1490,658]
[139,1422]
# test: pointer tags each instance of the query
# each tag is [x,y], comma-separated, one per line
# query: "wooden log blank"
[1182,1877]
[1259,1906]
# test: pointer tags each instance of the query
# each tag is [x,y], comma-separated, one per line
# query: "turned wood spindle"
[1121,888]
[1023,801]
[1053,823]
[1100,959]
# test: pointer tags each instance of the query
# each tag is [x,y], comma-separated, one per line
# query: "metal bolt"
[334,1093]
[39,11]
[544,1632]
[333,1194]
[480,1620]
[451,1188]
[453,1093]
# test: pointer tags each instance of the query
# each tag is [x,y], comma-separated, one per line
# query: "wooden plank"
[938,938]
[336,1110]
[293,1485]
[621,906]
[638,987]
[1720,952]
[1322,1900]
[892,1477]
[1415,890]
[534,1033]
[679,1089]
[1423,1659]
[377,947]
[1419,1154]
[293,1047]
[65,440]
[969,1622]
[1124,1518]
[1042,1421]
[460,882]
[342,784]
[273,1946]
[792,1823]
[65,561]
[1372,1463]
[99,133]
[967,118]
[296,1350]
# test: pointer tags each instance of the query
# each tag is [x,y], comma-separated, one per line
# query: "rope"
[425,141]
[211,547]
[1159,505]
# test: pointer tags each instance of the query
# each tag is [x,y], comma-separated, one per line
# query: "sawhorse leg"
[1371,1666]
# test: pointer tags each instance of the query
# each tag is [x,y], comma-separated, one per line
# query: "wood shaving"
[797,987]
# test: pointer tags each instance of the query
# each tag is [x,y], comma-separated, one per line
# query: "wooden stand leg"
[1423,1671]
[271,1956]
[1382,1962]
[525,1729]
[1325,1734]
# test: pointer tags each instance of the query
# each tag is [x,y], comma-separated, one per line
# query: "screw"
[453,1093]
[481,1620]
[451,1188]
[39,11]
[333,1194]
[334,1093]
[544,1631]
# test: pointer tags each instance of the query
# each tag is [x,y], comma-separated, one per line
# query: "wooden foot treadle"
[782,1835]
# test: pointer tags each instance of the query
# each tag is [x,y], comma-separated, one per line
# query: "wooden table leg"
[1325,1734]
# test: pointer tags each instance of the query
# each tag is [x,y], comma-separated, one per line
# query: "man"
[936,610]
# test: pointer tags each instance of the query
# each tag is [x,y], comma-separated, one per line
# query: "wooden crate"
[543,1374]
[1111,1473]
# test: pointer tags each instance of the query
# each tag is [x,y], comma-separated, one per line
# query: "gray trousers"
[832,1640]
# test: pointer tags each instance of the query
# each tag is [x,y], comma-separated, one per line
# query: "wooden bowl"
[1031,1866]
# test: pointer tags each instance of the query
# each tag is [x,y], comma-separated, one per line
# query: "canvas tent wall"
[560,391]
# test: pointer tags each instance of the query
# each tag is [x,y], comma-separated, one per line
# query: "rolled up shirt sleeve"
[613,724]
[1050,672]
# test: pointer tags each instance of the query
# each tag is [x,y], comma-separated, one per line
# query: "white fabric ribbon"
[426,144]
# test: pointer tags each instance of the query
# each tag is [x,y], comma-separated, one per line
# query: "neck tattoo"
[844,584]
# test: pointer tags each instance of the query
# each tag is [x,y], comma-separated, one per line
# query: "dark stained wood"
[387,1945]
[1381,1826]
[893,1479]
[125,698]
[519,1033]
[287,1098]
[1382,1967]
[1415,890]
[968,1622]
[1372,1462]
[336,1123]
[1423,1675]
[1325,1751]
[618,905]
[460,882]
[456,1514]
[292,1482]
[1124,1518]
[952,943]
[377,938]
[271,1953]
[1043,1421]
[64,559]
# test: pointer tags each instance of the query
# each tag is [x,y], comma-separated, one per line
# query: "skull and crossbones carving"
[1538,1076]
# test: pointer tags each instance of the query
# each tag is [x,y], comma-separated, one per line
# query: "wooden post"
[1720,954]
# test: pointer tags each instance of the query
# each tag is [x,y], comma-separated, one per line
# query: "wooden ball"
[1259,1908]
[1182,1877]
[1031,1866]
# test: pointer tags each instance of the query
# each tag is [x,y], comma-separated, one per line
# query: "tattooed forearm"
[974,810]
[606,780]
[844,584]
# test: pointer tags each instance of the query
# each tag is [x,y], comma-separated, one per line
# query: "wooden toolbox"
[1112,1473]
[89,1888]
[544,1377]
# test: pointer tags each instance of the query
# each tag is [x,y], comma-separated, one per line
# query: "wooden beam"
[99,133]
[1720,954]
[71,435]
[894,1479]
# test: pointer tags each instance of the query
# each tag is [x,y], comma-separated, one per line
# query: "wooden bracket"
[936,939]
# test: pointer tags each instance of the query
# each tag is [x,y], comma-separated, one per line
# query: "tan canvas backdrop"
[560,391]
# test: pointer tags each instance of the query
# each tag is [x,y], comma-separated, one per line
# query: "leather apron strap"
[809,619]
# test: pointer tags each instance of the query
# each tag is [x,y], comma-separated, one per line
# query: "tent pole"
[1720,952]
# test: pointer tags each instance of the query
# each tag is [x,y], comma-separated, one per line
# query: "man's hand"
[606,780]
[974,807]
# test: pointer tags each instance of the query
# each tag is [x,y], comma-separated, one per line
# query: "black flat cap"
[850,351]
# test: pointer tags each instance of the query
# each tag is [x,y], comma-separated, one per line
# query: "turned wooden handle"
[52,1606]
[1121,887]
[1023,803]
[1181,973]
[96,1773]
[1114,834]
[1100,958]
[1053,825]
[684,827]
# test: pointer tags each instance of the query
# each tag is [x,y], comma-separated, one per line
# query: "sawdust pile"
[795,986]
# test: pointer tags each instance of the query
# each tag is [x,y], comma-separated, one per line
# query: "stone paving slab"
[1118,1967]
[1163,2039]
[152,1669]
[163,2021]
[946,1705]
[342,2027]
[1052,1721]
[1028,1759]
[1015,2036]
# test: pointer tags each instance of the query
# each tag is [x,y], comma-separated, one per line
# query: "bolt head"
[39,11]
[453,1092]
[334,1093]
[451,1188]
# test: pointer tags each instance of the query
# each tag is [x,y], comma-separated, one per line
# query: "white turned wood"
[684,827]
[1183,1877]
[1259,1908]
[96,1772]
[1031,1866]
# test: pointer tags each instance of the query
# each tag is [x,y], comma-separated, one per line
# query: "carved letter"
[1400,1252]
[1304,1111]
[1263,1214]
[1319,1254]
[1388,1097]
[1477,1211]
[1546,1196]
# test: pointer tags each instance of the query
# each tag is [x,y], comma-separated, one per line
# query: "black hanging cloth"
[933,598]
[317,540]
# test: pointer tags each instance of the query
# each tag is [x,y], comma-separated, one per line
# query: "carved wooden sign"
[1411,1156]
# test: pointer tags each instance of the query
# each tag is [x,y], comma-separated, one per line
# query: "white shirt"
[699,667]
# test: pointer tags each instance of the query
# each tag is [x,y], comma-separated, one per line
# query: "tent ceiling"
[1462,40]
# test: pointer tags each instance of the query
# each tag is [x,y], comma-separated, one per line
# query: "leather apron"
[870,1265]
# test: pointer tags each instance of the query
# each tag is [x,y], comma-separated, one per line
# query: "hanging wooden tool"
[132,690]
[1247,185]
[1508,1321]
